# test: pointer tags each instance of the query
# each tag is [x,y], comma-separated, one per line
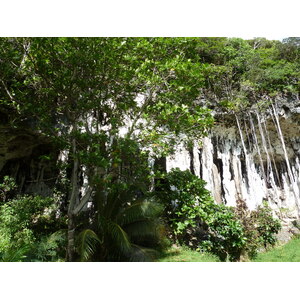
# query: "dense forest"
[100,114]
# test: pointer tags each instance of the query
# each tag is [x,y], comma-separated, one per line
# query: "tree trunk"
[71,237]
[72,202]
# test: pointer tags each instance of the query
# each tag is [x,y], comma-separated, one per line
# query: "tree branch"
[83,201]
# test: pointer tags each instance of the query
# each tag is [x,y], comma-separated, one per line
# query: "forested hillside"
[86,122]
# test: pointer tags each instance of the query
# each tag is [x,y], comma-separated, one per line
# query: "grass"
[290,252]
[182,254]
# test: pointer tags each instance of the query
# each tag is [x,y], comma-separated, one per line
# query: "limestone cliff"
[251,155]
[22,156]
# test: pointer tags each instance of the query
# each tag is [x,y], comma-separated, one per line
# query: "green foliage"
[267,226]
[47,248]
[290,49]
[75,76]
[185,199]
[125,221]
[224,231]
[247,70]
[27,224]
[50,247]
[6,187]
[124,234]
[87,243]
[225,237]
[15,254]
[188,205]
[81,92]
[259,226]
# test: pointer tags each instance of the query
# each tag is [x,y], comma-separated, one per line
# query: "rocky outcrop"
[24,155]
[253,156]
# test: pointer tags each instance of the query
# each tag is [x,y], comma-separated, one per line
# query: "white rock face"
[253,163]
[181,159]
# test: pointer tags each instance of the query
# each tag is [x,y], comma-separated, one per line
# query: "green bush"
[259,226]
[267,225]
[6,187]
[49,247]
[27,224]
[194,219]
[185,199]
[189,207]
[225,236]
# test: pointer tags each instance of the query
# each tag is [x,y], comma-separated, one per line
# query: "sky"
[272,19]
[267,36]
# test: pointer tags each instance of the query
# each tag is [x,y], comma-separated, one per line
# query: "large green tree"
[82,92]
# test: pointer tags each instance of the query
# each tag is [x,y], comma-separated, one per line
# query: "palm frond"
[114,204]
[143,229]
[87,243]
[139,211]
[119,236]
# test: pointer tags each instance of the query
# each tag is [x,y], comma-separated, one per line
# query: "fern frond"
[15,255]
[57,236]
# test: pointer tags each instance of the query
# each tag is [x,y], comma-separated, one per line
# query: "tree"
[81,92]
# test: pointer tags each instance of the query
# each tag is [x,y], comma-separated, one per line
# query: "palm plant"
[126,227]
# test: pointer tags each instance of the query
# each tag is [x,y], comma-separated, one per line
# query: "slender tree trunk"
[72,202]
[71,237]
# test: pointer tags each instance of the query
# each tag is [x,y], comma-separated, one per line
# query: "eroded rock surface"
[250,156]
[23,156]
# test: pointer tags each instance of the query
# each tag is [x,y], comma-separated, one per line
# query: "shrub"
[249,227]
[185,199]
[6,188]
[228,232]
[26,224]
[189,207]
[49,247]
[259,226]
[267,225]
[225,236]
